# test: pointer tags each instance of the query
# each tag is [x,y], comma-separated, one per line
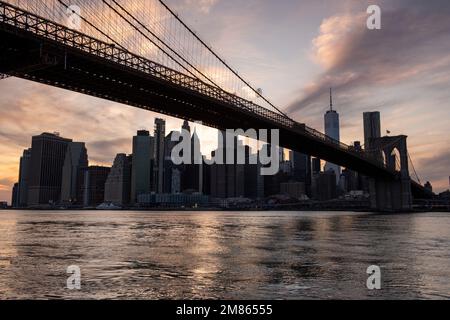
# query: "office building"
[172,179]
[293,189]
[15,196]
[332,130]
[94,185]
[141,172]
[227,180]
[250,174]
[24,172]
[158,170]
[75,163]
[325,186]
[206,177]
[301,169]
[118,183]
[48,153]
[192,173]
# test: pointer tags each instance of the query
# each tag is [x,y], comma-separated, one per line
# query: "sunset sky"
[294,50]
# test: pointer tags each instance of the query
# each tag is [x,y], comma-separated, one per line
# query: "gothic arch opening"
[396,160]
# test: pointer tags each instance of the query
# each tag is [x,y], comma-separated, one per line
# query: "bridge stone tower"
[392,194]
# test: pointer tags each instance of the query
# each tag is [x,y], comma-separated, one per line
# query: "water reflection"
[249,255]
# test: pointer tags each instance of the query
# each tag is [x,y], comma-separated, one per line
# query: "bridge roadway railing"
[49,30]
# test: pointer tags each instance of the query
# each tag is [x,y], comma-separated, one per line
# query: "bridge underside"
[25,55]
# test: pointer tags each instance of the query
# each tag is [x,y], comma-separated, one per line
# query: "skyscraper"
[227,180]
[141,172]
[15,196]
[118,183]
[301,169]
[192,174]
[48,152]
[94,185]
[158,175]
[24,172]
[372,129]
[250,175]
[332,130]
[325,186]
[76,161]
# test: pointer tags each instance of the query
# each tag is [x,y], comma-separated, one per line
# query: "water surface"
[237,255]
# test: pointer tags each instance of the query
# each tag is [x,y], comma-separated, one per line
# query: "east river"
[223,255]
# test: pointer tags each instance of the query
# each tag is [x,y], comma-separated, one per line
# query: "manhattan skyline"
[325,45]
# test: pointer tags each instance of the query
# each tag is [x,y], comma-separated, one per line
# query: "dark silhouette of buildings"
[227,180]
[75,164]
[118,183]
[293,189]
[206,177]
[325,186]
[191,174]
[24,176]
[94,185]
[272,184]
[55,171]
[301,170]
[158,171]
[15,196]
[45,176]
[251,176]
[172,173]
[141,172]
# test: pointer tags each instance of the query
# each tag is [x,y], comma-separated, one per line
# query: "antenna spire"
[331,99]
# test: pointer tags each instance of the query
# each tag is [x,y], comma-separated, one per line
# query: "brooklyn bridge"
[112,51]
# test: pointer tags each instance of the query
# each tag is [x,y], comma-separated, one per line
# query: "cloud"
[412,41]
[100,151]
[203,6]
[401,70]
[435,166]
[6,182]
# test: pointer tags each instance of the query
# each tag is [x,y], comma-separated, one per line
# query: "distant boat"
[108,206]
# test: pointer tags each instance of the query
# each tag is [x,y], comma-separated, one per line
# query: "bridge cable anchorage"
[257,92]
[159,39]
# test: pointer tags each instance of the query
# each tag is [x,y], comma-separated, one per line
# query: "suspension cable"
[155,44]
[222,61]
[414,169]
[93,26]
